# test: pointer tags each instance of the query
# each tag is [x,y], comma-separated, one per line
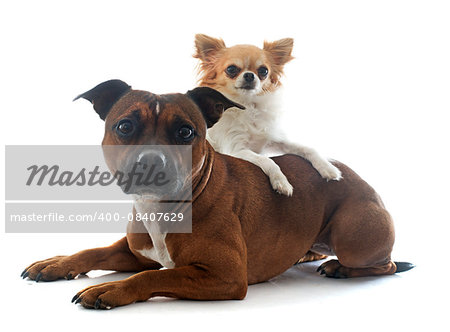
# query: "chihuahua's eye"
[125,128]
[232,70]
[186,133]
[262,72]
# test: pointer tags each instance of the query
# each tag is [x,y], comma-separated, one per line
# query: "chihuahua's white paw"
[281,184]
[330,172]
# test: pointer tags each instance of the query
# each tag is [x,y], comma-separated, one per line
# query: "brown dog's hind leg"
[334,269]
[362,236]
[311,256]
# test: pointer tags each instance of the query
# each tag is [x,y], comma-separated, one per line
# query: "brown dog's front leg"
[188,282]
[117,257]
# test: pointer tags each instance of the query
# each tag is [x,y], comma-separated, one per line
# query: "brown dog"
[242,231]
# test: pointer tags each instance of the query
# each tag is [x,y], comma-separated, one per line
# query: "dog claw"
[69,276]
[23,272]
[78,300]
[74,298]
[25,275]
[97,304]
[38,277]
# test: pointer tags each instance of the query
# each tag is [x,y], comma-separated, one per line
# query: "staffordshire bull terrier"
[243,232]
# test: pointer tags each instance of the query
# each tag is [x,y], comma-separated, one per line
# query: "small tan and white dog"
[251,76]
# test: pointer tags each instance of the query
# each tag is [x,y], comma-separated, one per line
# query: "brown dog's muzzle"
[155,172]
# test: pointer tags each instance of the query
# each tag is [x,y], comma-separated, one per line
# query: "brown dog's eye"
[232,71]
[125,128]
[186,133]
[262,72]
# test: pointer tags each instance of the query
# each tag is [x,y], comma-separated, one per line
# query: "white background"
[369,86]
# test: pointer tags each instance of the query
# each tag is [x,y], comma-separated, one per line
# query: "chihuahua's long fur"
[251,76]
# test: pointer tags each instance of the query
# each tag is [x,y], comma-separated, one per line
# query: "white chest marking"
[157,108]
[158,252]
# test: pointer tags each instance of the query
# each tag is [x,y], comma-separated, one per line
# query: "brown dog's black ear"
[104,95]
[212,103]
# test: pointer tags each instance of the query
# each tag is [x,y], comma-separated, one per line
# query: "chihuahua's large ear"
[280,50]
[212,103]
[104,95]
[206,47]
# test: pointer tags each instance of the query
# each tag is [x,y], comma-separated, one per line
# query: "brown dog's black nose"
[249,77]
[152,159]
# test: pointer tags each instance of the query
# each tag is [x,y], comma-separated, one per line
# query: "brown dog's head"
[140,122]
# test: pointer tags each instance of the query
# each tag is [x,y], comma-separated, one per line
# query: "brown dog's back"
[279,230]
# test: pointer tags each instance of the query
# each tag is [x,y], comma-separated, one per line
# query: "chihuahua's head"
[242,71]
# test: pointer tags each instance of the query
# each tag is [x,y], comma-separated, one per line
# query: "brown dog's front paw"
[106,296]
[51,269]
[333,269]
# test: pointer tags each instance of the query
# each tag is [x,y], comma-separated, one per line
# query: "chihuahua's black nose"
[249,77]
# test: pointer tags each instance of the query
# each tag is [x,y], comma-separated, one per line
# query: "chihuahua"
[251,76]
